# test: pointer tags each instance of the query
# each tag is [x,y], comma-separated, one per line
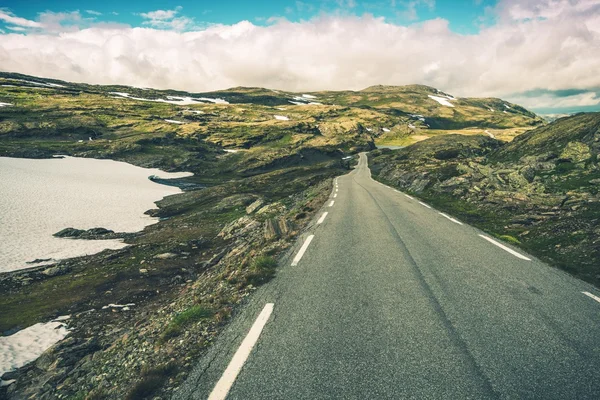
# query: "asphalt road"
[392,300]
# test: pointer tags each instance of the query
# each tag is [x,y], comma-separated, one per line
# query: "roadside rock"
[254,206]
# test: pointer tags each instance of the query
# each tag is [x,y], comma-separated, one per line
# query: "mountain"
[539,191]
[264,162]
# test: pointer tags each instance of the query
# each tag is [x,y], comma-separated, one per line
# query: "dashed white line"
[410,197]
[335,195]
[588,294]
[424,204]
[331,204]
[298,257]
[451,219]
[241,355]
[320,221]
[503,247]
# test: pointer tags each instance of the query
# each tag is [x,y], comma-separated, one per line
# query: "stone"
[165,256]
[254,206]
[576,152]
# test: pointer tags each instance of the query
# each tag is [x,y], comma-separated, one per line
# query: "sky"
[542,54]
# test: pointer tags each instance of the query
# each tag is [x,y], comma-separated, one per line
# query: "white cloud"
[556,52]
[92,12]
[550,101]
[167,19]
[10,18]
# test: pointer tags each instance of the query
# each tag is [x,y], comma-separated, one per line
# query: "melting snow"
[281,117]
[124,307]
[309,96]
[5,104]
[172,121]
[491,109]
[386,130]
[506,105]
[370,130]
[411,126]
[281,108]
[44,84]
[28,344]
[184,101]
[490,134]
[442,100]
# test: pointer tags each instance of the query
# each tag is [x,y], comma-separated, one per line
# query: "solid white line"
[302,250]
[331,204]
[320,221]
[588,294]
[335,195]
[451,219]
[423,204]
[503,247]
[241,355]
[410,197]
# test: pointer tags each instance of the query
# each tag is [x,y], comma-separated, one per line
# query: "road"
[390,299]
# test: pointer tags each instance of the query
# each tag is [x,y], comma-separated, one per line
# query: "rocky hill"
[540,191]
[263,163]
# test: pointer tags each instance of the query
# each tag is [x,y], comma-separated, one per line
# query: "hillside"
[63,113]
[263,164]
[539,191]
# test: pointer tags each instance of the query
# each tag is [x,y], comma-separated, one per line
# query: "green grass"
[180,321]
[262,270]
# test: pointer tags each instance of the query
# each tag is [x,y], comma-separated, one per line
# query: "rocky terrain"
[263,162]
[539,191]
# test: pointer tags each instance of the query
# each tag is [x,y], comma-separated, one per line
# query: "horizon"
[535,53]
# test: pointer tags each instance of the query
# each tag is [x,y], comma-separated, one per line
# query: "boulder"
[254,206]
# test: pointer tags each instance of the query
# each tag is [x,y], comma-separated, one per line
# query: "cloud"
[92,12]
[167,19]
[10,18]
[556,52]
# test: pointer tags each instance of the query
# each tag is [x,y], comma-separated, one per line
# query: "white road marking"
[451,219]
[588,294]
[298,257]
[320,221]
[331,204]
[424,204]
[503,247]
[241,355]
[335,195]
[410,197]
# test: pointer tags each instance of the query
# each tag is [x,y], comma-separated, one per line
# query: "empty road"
[384,297]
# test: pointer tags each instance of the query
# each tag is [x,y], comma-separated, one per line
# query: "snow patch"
[490,134]
[309,96]
[178,100]
[386,130]
[491,109]
[43,84]
[281,117]
[5,104]
[507,106]
[411,126]
[124,307]
[172,121]
[230,150]
[442,100]
[28,344]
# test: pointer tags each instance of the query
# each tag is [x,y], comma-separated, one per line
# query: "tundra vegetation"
[263,164]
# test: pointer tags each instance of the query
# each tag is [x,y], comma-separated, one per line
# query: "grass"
[262,270]
[180,321]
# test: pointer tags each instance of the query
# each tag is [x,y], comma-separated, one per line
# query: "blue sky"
[542,54]
[464,16]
